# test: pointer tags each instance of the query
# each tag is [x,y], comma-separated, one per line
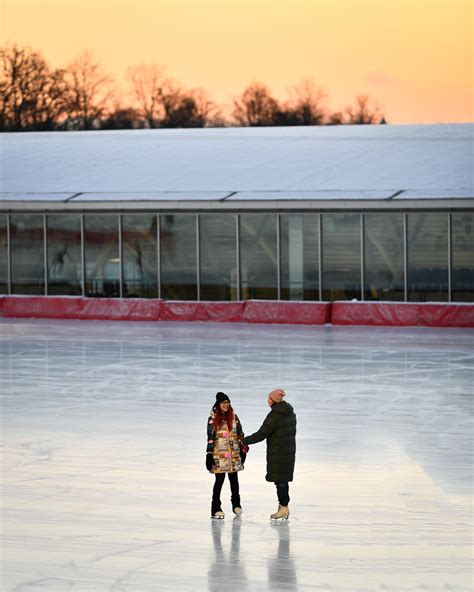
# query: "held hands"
[243,453]
[209,461]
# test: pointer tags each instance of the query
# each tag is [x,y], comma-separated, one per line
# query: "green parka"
[279,429]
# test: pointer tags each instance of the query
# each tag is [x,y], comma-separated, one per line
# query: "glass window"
[140,258]
[258,256]
[178,256]
[462,225]
[102,255]
[64,254]
[218,251]
[27,253]
[427,257]
[299,240]
[3,256]
[341,256]
[384,257]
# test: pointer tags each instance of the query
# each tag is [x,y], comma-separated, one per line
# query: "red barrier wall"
[447,315]
[42,307]
[392,314]
[292,313]
[223,312]
[401,314]
[114,309]
[395,314]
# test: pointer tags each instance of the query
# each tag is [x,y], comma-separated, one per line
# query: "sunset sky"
[413,57]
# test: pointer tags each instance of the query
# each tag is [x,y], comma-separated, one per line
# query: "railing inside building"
[412,257]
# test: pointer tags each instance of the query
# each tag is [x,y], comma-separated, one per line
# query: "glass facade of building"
[101,255]
[27,254]
[3,254]
[140,256]
[384,269]
[462,258]
[258,256]
[178,253]
[218,257]
[299,263]
[64,257]
[427,243]
[341,256]
[394,256]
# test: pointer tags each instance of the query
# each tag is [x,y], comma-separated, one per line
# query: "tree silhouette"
[256,107]
[362,111]
[89,92]
[162,102]
[186,108]
[122,118]
[34,96]
[308,103]
[148,86]
[31,93]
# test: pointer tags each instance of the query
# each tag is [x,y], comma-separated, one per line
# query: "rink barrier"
[402,314]
[394,314]
[290,313]
[220,312]
[114,309]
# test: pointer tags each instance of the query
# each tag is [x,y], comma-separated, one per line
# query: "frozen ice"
[104,437]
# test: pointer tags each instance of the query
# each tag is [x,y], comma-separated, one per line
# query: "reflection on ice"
[104,436]
[227,569]
[281,567]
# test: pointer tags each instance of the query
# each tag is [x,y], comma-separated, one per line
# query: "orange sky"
[414,57]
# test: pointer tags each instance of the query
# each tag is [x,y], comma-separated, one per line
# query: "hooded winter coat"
[279,429]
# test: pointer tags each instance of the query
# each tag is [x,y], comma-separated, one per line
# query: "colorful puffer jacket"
[225,445]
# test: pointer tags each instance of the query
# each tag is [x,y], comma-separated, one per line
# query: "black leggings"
[283,493]
[216,492]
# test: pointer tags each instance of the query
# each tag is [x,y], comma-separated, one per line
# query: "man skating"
[279,429]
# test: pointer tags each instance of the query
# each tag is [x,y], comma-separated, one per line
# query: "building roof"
[229,168]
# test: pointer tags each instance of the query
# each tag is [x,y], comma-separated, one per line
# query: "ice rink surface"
[103,449]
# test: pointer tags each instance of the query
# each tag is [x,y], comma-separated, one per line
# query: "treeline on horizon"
[37,97]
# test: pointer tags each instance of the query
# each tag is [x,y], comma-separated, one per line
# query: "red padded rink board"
[394,314]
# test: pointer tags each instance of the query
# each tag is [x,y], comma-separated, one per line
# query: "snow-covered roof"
[341,166]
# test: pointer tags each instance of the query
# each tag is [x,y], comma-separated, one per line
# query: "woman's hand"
[209,461]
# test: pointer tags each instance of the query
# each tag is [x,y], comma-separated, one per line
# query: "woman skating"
[224,453]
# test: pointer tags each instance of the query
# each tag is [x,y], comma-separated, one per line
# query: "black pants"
[216,492]
[283,493]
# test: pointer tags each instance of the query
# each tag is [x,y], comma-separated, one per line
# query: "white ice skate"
[219,515]
[282,513]
[238,511]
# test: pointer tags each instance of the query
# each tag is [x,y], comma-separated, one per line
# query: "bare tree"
[206,110]
[90,91]
[256,107]
[308,104]
[122,117]
[31,93]
[335,118]
[363,112]
[148,86]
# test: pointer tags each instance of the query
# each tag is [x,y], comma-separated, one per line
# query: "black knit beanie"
[221,397]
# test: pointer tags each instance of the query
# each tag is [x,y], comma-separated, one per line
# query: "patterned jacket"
[225,445]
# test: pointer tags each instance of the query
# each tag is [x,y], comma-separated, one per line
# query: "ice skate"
[237,511]
[219,515]
[282,513]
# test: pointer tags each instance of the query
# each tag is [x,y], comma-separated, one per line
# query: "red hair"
[219,417]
